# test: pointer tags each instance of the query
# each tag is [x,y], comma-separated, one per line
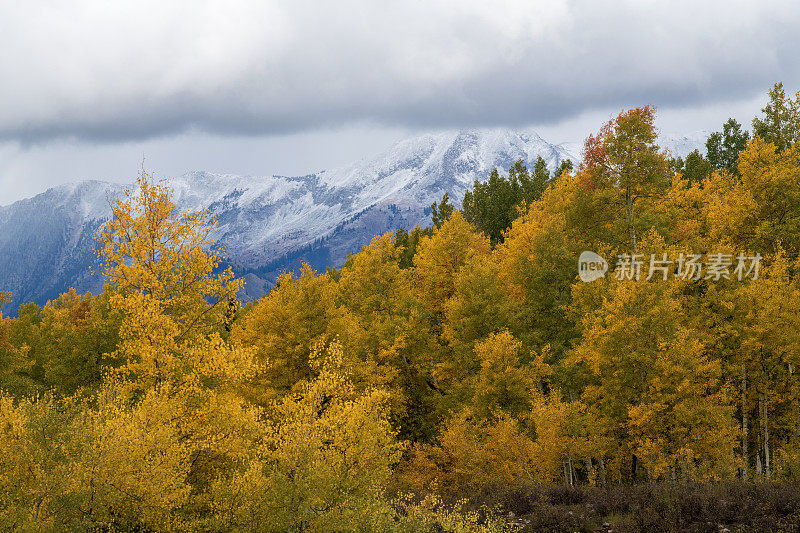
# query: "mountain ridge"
[266,223]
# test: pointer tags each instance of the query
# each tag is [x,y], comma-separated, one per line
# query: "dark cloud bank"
[98,72]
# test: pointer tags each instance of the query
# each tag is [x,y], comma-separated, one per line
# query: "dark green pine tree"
[441,212]
[566,165]
[781,122]
[696,168]
[723,148]
[493,205]
[540,178]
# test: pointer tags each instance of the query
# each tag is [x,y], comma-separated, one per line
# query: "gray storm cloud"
[111,71]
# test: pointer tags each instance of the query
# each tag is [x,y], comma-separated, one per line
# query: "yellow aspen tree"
[654,389]
[479,307]
[282,329]
[324,463]
[626,168]
[160,271]
[536,268]
[684,211]
[15,358]
[503,383]
[473,456]
[759,210]
[768,320]
[375,325]
[438,261]
[562,438]
[5,297]
[41,487]
[178,375]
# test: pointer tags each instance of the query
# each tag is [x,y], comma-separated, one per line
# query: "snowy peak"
[682,144]
[428,164]
[270,223]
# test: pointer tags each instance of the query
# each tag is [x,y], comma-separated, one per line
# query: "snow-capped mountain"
[682,144]
[266,223]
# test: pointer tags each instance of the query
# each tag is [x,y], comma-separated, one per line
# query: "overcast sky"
[87,88]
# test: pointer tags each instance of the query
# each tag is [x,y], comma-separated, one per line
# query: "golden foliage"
[469,371]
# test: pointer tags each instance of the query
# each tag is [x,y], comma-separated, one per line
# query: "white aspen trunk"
[745,451]
[766,439]
[568,470]
[794,400]
[631,219]
[571,472]
[603,471]
[759,469]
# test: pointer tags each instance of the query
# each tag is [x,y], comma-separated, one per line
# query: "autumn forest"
[439,369]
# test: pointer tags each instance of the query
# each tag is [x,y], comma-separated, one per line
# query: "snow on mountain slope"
[682,144]
[264,217]
[267,223]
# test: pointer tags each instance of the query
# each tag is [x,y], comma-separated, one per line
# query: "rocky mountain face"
[268,223]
